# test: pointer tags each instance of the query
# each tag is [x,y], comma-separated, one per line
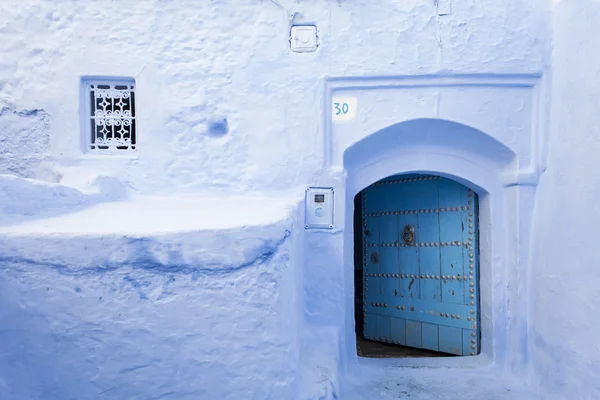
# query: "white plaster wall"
[195,62]
[566,278]
[25,144]
[206,314]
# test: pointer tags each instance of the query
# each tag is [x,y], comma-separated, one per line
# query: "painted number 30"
[341,108]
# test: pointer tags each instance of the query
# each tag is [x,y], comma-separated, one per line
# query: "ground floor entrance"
[416,268]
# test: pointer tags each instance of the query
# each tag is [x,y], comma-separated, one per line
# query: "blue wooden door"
[420,264]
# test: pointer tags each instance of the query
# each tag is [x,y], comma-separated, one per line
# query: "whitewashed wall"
[199,62]
[566,278]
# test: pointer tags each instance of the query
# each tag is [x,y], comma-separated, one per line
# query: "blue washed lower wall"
[153,325]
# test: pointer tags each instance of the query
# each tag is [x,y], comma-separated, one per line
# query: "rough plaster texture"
[25,144]
[197,64]
[235,301]
[202,314]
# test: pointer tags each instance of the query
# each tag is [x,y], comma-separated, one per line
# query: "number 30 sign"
[343,108]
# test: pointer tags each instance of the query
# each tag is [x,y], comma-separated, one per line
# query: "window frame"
[86,114]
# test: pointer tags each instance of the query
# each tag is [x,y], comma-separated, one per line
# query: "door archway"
[463,155]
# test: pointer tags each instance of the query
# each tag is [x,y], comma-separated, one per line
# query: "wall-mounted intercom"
[319,208]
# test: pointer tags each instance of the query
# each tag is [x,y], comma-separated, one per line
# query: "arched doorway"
[467,157]
[416,268]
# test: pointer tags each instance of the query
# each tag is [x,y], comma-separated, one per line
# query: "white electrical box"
[303,38]
[319,208]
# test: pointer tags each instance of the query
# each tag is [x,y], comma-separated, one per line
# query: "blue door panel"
[430,336]
[451,256]
[388,257]
[370,327]
[430,268]
[399,331]
[388,253]
[413,333]
[384,328]
[422,310]
[390,194]
[425,195]
[451,340]
[429,257]
[422,292]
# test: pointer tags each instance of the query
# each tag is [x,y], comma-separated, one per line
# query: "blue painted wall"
[147,318]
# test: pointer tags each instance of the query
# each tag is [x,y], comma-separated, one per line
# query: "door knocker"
[408,235]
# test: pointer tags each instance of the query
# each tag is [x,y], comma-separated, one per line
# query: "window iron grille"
[112,116]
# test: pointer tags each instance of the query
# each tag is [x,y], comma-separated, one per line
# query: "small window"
[110,116]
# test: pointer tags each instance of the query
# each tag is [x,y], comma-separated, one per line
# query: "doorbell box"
[319,208]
